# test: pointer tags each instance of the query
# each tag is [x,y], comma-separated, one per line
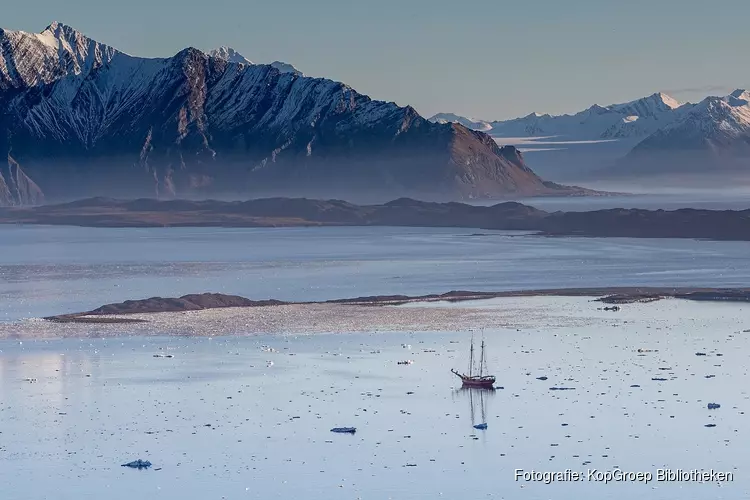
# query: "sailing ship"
[479,379]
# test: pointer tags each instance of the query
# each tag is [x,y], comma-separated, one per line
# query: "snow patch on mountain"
[86,119]
[636,118]
[466,122]
[27,59]
[739,97]
[647,107]
[706,143]
[653,134]
[285,67]
[714,122]
[229,54]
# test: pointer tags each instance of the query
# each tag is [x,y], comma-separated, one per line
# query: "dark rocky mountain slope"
[79,118]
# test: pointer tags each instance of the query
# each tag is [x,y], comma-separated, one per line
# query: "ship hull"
[481,384]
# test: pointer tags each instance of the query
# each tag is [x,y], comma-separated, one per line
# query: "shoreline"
[509,311]
[719,225]
[124,312]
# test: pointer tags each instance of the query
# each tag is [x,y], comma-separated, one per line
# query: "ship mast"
[471,356]
[482,361]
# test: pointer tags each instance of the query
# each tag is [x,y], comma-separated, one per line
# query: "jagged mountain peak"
[81,115]
[463,120]
[668,100]
[229,54]
[71,40]
[713,127]
[28,59]
[665,99]
[61,30]
[636,118]
[285,67]
[594,122]
[739,97]
[712,105]
[597,109]
[191,51]
[647,107]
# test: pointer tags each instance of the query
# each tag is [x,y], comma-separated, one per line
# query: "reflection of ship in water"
[478,398]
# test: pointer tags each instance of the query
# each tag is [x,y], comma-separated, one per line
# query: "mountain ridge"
[94,120]
[294,212]
[711,136]
[594,122]
[657,137]
[231,55]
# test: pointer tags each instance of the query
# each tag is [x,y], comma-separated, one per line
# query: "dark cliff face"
[196,126]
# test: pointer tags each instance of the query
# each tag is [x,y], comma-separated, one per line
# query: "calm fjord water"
[231,418]
[54,270]
[249,417]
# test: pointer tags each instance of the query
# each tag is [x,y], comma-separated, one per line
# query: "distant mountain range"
[631,119]
[657,135]
[712,137]
[79,118]
[466,122]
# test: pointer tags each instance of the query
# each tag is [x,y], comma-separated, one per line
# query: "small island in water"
[119,312]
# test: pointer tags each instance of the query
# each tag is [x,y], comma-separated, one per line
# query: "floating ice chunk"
[138,464]
[344,430]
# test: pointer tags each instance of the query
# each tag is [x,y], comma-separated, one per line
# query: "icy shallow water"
[55,270]
[220,422]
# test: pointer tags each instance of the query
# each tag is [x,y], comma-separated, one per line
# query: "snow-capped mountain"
[285,67]
[631,119]
[709,136]
[83,119]
[647,107]
[739,97]
[714,122]
[28,59]
[231,55]
[643,116]
[466,122]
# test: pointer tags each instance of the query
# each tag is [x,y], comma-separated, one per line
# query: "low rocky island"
[119,312]
[285,212]
[212,315]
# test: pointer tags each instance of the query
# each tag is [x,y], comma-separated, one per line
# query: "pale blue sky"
[489,59]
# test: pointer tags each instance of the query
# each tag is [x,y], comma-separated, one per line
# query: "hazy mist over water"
[673,200]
